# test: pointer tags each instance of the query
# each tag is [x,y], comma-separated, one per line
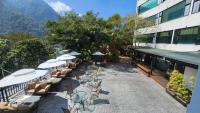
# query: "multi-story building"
[177,24]
[175,38]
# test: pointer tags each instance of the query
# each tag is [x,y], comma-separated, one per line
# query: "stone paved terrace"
[124,90]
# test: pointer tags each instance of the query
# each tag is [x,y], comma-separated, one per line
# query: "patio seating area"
[116,88]
[21,91]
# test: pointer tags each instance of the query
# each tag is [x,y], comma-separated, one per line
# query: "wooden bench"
[145,69]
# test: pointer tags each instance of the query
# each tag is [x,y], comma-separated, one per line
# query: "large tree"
[82,33]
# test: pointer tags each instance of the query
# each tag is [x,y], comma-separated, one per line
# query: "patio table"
[54,80]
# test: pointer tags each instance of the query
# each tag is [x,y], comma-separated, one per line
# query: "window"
[196,7]
[187,7]
[187,36]
[176,11]
[187,10]
[147,38]
[152,19]
[147,6]
[164,37]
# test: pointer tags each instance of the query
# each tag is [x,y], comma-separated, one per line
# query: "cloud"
[60,7]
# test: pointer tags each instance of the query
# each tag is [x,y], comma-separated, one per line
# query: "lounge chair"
[42,88]
[6,107]
[30,88]
[61,73]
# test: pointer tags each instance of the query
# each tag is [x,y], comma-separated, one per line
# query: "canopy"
[98,53]
[66,57]
[22,76]
[187,57]
[51,64]
[74,53]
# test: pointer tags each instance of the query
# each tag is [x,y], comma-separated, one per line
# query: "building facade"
[177,24]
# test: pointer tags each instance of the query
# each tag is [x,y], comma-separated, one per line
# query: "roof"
[187,57]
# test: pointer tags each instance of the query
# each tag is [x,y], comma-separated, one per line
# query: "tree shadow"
[52,104]
[101,101]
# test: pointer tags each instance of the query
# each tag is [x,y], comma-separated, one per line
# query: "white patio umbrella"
[65,57]
[74,53]
[51,64]
[22,76]
[98,53]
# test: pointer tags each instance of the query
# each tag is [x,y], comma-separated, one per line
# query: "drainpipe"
[193,106]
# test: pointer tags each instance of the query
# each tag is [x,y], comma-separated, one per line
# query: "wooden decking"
[156,75]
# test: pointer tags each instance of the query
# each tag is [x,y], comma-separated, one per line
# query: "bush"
[177,84]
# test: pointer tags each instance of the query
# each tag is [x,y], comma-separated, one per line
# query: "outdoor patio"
[124,90]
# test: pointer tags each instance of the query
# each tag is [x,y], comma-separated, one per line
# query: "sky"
[105,8]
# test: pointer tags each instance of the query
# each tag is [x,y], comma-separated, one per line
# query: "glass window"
[152,18]
[187,10]
[164,37]
[196,6]
[187,36]
[147,6]
[174,12]
[147,38]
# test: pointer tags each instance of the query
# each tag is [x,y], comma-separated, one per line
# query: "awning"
[186,57]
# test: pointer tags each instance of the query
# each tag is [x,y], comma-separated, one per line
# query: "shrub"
[177,84]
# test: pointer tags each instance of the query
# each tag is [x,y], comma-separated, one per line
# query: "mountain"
[25,16]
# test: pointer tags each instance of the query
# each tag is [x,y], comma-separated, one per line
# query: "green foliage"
[88,33]
[5,46]
[133,23]
[85,33]
[177,84]
[27,53]
[115,21]
[15,37]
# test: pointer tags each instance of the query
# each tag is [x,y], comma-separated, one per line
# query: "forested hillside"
[25,16]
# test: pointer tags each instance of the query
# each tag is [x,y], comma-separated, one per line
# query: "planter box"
[174,95]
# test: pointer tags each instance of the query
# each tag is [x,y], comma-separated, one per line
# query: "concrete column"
[193,107]
[173,33]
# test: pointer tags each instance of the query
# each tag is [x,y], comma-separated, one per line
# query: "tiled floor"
[124,90]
